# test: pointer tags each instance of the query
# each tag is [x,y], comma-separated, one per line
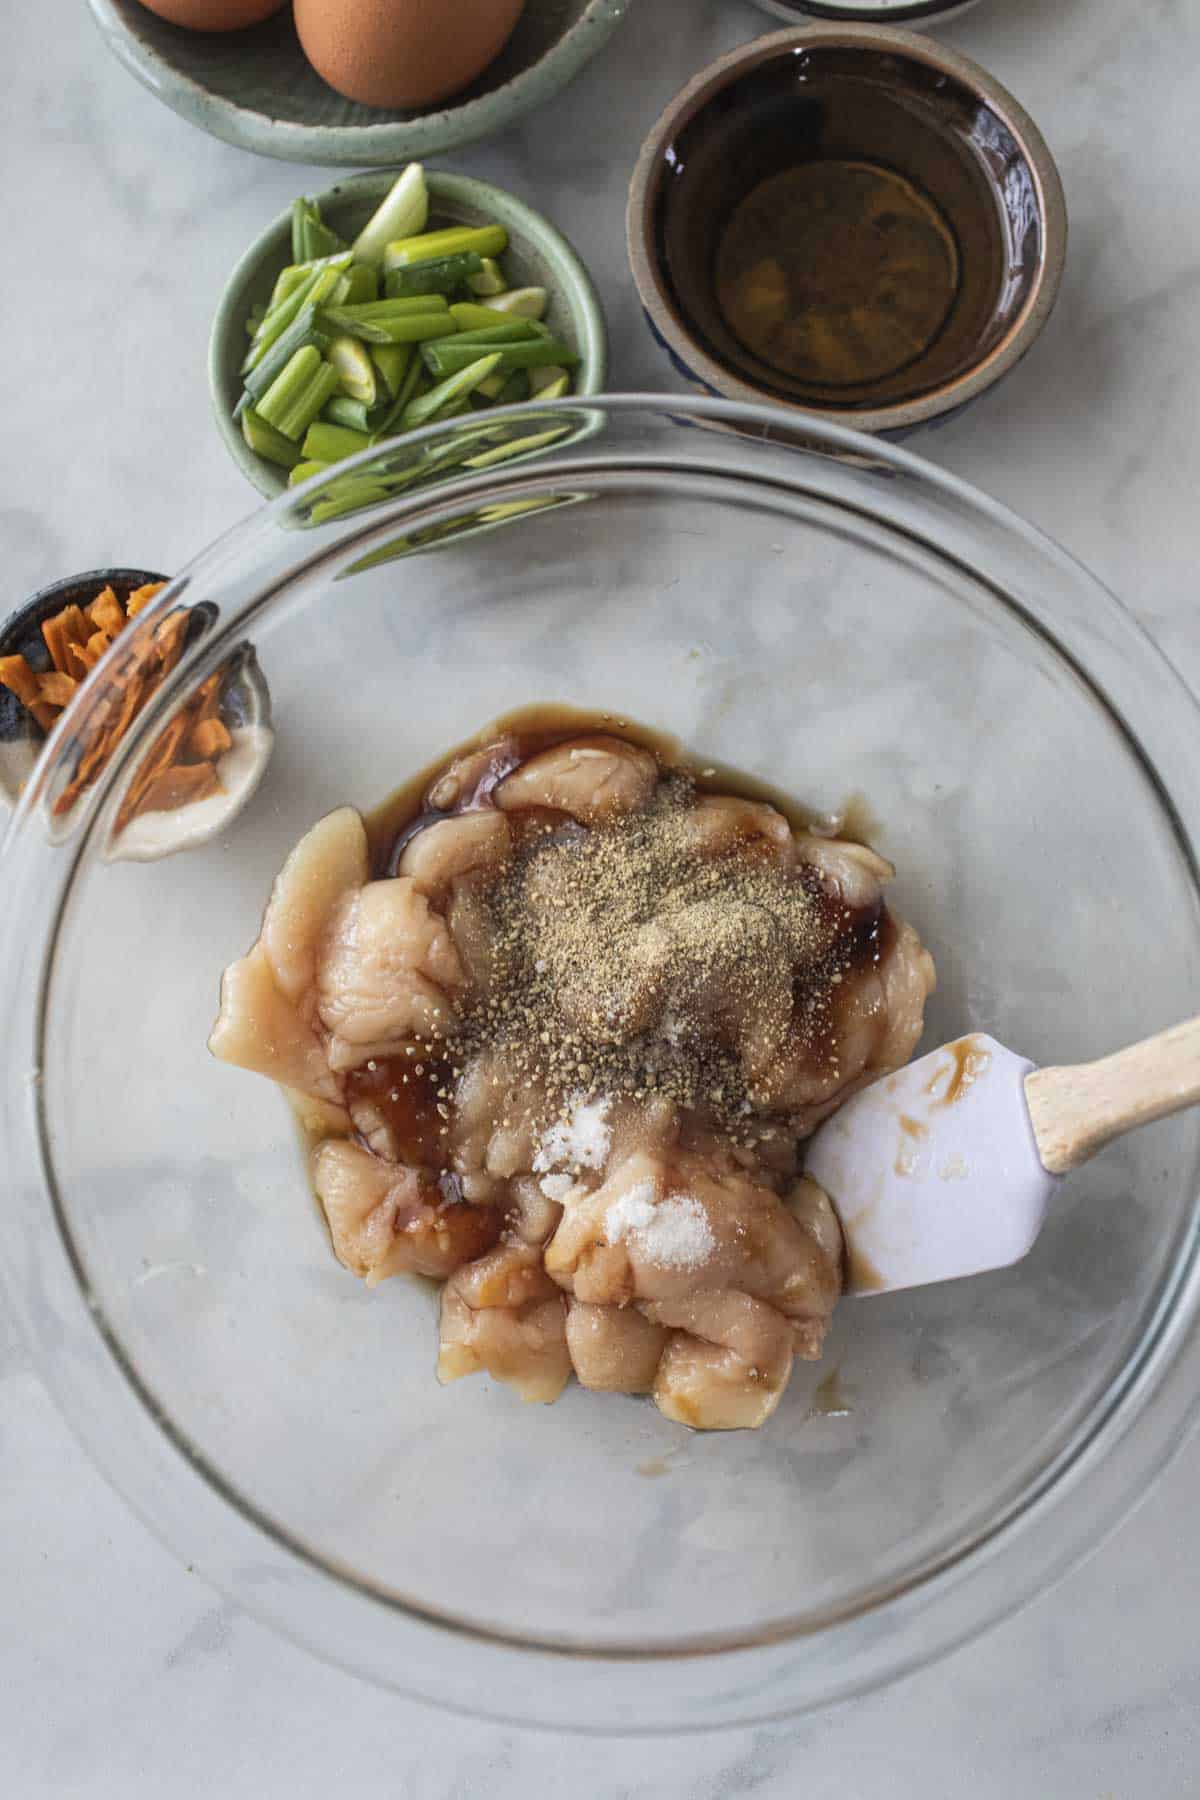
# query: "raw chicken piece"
[614,1349]
[726,1364]
[652,1124]
[257,1028]
[373,1126]
[317,1118]
[445,851]
[470,926]
[659,1229]
[718,822]
[532,1216]
[503,1314]
[812,1313]
[383,1219]
[495,1127]
[854,872]
[589,777]
[909,977]
[327,863]
[878,1017]
[268,999]
[471,778]
[385,972]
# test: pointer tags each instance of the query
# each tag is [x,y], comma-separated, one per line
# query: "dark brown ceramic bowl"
[846,93]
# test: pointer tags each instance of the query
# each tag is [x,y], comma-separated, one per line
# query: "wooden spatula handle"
[1077,1110]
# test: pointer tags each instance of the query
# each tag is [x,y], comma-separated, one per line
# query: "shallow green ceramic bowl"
[538,255]
[257,89]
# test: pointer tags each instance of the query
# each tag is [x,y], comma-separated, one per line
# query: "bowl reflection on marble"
[832,628]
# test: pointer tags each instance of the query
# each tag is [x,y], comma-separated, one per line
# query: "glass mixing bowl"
[837,620]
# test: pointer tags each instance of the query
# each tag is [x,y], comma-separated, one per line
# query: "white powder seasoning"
[580,1140]
[556,1187]
[674,1232]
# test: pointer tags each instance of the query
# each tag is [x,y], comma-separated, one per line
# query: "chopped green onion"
[451,354]
[489,280]
[471,316]
[342,410]
[298,393]
[493,331]
[393,362]
[406,328]
[268,443]
[303,330]
[311,237]
[450,410]
[541,379]
[517,447]
[303,471]
[411,385]
[523,303]
[402,214]
[440,275]
[330,443]
[484,240]
[354,369]
[352,500]
[317,287]
[300,208]
[515,389]
[462,382]
[475,317]
[404,306]
[363,285]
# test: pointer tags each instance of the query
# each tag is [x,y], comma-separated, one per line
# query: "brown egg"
[214,15]
[403,53]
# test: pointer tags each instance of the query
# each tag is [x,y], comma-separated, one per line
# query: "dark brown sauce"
[967,1062]
[406,1091]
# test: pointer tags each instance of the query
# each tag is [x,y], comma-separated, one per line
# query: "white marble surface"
[120,1674]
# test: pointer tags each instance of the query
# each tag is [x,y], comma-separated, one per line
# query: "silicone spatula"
[946,1167]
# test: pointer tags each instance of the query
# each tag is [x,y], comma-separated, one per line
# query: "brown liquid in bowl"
[837,272]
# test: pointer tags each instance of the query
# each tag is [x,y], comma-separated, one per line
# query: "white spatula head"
[934,1170]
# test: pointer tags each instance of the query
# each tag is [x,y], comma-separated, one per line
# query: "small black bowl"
[21,737]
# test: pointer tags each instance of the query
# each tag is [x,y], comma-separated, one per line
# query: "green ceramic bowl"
[538,255]
[257,89]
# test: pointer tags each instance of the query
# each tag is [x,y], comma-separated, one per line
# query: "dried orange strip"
[177,786]
[17,676]
[142,596]
[106,612]
[208,739]
[75,624]
[57,690]
[55,635]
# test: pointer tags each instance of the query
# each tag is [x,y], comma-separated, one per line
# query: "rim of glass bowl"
[790,1666]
